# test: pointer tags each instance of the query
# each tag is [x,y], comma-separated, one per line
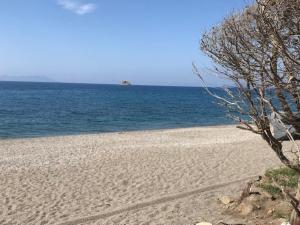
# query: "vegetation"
[276,179]
[258,50]
[284,177]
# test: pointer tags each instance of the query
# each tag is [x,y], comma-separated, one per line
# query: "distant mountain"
[26,78]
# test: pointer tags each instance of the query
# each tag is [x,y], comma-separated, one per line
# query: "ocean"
[49,109]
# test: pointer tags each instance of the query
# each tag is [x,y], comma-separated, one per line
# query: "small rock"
[259,178]
[270,212]
[226,200]
[246,208]
[254,200]
[255,190]
[203,223]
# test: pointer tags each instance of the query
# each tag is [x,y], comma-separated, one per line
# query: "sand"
[166,177]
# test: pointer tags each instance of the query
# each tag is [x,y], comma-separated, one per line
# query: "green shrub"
[273,190]
[283,176]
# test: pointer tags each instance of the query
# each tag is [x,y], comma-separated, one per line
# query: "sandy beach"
[166,177]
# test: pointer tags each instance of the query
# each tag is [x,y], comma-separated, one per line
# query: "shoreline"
[118,132]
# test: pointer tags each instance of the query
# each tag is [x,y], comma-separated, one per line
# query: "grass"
[271,189]
[283,176]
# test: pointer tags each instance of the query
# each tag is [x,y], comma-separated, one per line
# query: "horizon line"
[151,85]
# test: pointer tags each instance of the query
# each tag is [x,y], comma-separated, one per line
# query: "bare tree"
[258,50]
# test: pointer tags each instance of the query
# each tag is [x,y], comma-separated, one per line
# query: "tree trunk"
[295,217]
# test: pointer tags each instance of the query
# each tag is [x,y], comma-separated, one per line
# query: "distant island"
[126,83]
[26,78]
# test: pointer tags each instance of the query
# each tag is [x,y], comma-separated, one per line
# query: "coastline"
[118,132]
[169,176]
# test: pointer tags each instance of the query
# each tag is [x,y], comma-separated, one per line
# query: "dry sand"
[167,177]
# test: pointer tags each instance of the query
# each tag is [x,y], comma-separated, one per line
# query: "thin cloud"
[77,7]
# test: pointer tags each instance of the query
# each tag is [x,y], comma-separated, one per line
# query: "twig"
[294,202]
[246,192]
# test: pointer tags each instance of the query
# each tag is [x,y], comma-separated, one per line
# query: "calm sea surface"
[46,109]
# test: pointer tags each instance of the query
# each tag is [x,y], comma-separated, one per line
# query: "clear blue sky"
[105,41]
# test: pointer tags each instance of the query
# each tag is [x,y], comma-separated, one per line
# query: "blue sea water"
[46,109]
